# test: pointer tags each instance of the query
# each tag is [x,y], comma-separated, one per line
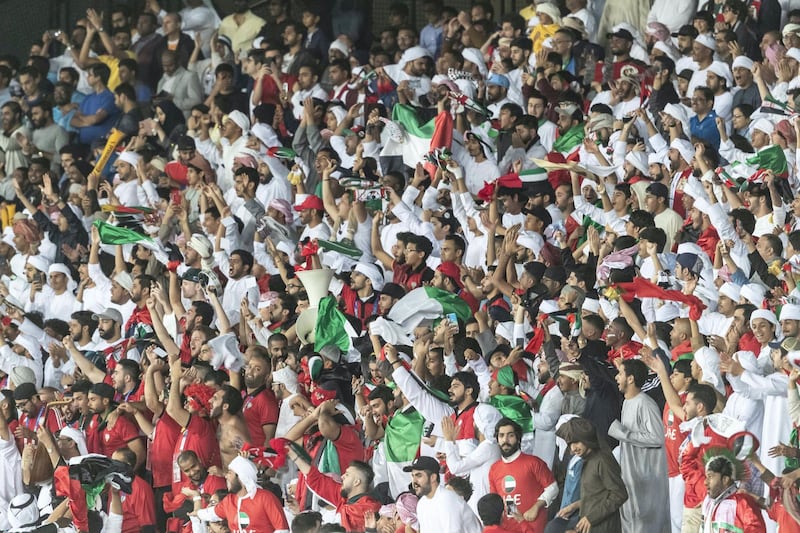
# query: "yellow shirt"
[541,33]
[113,65]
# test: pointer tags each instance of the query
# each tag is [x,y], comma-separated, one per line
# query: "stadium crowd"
[529,272]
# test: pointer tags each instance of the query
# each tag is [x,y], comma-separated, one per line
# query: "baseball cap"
[312,201]
[186,143]
[104,390]
[621,33]
[394,290]
[25,391]
[192,274]
[686,74]
[423,462]
[541,213]
[790,344]
[499,80]
[566,108]
[690,261]
[687,30]
[109,314]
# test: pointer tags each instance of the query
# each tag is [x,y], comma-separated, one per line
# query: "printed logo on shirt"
[509,483]
[244,520]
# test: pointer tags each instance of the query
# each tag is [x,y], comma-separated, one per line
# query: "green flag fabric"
[331,326]
[571,138]
[770,158]
[110,234]
[403,435]
[516,409]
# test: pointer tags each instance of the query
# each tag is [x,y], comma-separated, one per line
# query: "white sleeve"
[112,523]
[549,494]
[423,401]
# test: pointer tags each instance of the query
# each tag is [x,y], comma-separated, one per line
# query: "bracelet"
[196,498]
[395,362]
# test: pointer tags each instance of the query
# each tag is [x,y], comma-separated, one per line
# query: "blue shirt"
[705,129]
[572,482]
[90,106]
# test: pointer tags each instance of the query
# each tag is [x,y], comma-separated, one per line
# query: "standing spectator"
[97,113]
[642,457]
[241,27]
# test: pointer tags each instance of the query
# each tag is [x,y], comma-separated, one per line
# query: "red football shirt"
[123,432]
[523,480]
[260,409]
[200,436]
[260,514]
[162,447]
[673,438]
[138,509]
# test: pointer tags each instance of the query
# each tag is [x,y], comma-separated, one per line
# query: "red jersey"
[260,409]
[112,439]
[136,395]
[469,299]
[211,484]
[49,418]
[162,446]
[351,510]
[411,279]
[522,480]
[355,306]
[200,436]
[88,424]
[629,350]
[673,438]
[260,514]
[138,508]
[693,470]
[349,448]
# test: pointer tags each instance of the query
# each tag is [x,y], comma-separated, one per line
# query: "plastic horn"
[114,137]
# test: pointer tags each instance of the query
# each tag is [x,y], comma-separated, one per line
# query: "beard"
[235,486]
[544,377]
[107,334]
[507,450]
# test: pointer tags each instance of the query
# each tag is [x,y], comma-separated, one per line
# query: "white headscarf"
[247,472]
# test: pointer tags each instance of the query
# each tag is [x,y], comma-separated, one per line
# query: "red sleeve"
[749,515]
[544,474]
[492,485]
[269,408]
[226,509]
[274,511]
[125,430]
[54,422]
[147,509]
[325,487]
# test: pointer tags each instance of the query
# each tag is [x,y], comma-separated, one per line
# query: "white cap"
[731,290]
[763,125]
[371,272]
[124,280]
[240,119]
[706,40]
[794,53]
[132,158]
[790,312]
[743,62]
[722,70]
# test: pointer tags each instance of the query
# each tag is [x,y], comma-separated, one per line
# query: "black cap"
[659,190]
[687,30]
[423,462]
[686,74]
[185,142]
[25,391]
[622,33]
[104,390]
[541,213]
[394,290]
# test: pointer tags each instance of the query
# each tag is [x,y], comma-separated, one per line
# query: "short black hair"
[470,381]
[704,394]
[381,392]
[101,70]
[245,256]
[637,369]
[655,235]
[233,397]
[641,219]
[126,90]
[745,218]
[504,422]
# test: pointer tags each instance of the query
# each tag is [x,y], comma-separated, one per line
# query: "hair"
[721,466]
[655,235]
[424,245]
[642,219]
[470,381]
[684,366]
[59,327]
[457,241]
[130,368]
[341,64]
[381,392]
[774,242]
[205,311]
[126,90]
[515,110]
[744,217]
[707,93]
[250,173]
[84,318]
[747,309]
[366,472]
[187,455]
[666,64]
[595,321]
[624,188]
[704,394]
[637,369]
[461,486]
[233,397]
[101,71]
[490,509]
[245,256]
[306,522]
[128,456]
[505,422]
[794,239]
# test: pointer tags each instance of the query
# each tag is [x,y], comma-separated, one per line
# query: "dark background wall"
[23,21]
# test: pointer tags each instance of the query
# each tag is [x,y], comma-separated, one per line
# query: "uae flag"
[411,141]
[332,327]
[569,142]
[110,234]
[770,158]
[427,303]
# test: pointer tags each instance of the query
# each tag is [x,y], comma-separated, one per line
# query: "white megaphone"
[316,283]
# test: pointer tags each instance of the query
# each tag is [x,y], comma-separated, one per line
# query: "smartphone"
[520,342]
[511,509]
[427,429]
[160,352]
[452,318]
[176,197]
